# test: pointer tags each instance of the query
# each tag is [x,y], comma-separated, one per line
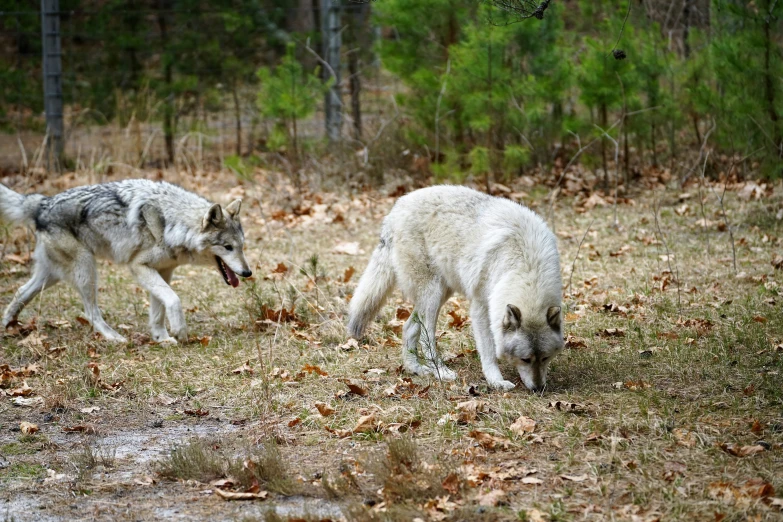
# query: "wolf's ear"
[553,317]
[233,208]
[213,218]
[513,318]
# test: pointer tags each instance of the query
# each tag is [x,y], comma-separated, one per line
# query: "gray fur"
[151,226]
[501,255]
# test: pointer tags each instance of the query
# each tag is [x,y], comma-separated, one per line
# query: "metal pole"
[332,42]
[52,81]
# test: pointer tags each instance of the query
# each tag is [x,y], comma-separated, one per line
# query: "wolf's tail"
[18,208]
[376,284]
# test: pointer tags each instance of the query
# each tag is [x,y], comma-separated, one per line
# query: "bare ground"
[667,404]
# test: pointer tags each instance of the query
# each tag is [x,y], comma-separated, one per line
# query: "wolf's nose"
[537,389]
[246,273]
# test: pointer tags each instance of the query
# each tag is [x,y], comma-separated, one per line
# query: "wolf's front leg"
[485,346]
[158,314]
[155,284]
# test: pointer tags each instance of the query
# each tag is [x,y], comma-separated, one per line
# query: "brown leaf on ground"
[672,470]
[245,369]
[777,262]
[324,409]
[574,478]
[452,483]
[468,411]
[621,251]
[742,451]
[532,481]
[89,429]
[28,428]
[570,407]
[457,321]
[492,498]
[241,495]
[523,425]
[350,344]
[575,342]
[636,385]
[405,388]
[611,332]
[93,373]
[742,496]
[685,437]
[293,422]
[197,413]
[309,368]
[348,274]
[489,441]
[756,427]
[354,387]
[23,391]
[402,313]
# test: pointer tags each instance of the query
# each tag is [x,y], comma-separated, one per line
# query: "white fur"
[445,239]
[153,227]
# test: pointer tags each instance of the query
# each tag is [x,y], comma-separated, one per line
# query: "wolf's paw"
[444,374]
[180,335]
[168,341]
[502,385]
[115,338]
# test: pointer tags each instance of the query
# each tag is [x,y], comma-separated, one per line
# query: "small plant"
[195,460]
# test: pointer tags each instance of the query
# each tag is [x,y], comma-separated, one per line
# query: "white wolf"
[499,254]
[153,227]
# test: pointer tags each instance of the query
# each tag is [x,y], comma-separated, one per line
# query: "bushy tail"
[376,284]
[18,208]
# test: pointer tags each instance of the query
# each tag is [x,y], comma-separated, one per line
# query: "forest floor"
[666,405]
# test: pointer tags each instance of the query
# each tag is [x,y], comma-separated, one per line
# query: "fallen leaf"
[489,441]
[685,437]
[245,369]
[468,411]
[451,483]
[742,451]
[324,409]
[309,368]
[523,425]
[575,342]
[571,407]
[672,470]
[81,428]
[457,321]
[574,478]
[348,248]
[146,480]
[197,413]
[492,498]
[350,344]
[612,332]
[348,274]
[23,391]
[402,313]
[532,481]
[90,409]
[238,495]
[354,387]
[28,428]
[293,422]
[636,385]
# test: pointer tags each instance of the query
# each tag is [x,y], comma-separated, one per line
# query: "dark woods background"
[447,87]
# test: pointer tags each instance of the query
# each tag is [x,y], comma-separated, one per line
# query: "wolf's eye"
[228,247]
[526,361]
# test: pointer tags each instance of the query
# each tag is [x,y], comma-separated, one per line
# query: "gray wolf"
[499,254]
[153,227]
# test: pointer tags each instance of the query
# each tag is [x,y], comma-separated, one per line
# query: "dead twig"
[579,248]
[675,272]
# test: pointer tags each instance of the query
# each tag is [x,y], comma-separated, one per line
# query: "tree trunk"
[355,85]
[238,116]
[603,146]
[769,81]
[168,108]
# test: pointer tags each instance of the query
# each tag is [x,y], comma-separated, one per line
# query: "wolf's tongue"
[232,277]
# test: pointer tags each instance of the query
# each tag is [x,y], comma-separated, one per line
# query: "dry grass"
[689,373]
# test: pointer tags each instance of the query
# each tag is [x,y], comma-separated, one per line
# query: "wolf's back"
[19,208]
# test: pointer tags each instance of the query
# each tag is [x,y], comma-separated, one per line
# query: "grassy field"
[666,405]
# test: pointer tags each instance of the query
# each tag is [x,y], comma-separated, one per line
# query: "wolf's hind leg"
[158,313]
[427,309]
[43,277]
[154,283]
[84,276]
[485,346]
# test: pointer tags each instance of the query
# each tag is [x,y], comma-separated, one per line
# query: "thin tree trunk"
[603,146]
[168,108]
[238,117]
[769,81]
[355,85]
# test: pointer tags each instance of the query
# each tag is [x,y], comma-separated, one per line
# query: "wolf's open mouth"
[228,275]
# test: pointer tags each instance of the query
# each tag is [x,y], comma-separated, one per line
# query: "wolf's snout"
[246,273]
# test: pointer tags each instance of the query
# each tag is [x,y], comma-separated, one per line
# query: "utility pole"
[52,81]
[332,42]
